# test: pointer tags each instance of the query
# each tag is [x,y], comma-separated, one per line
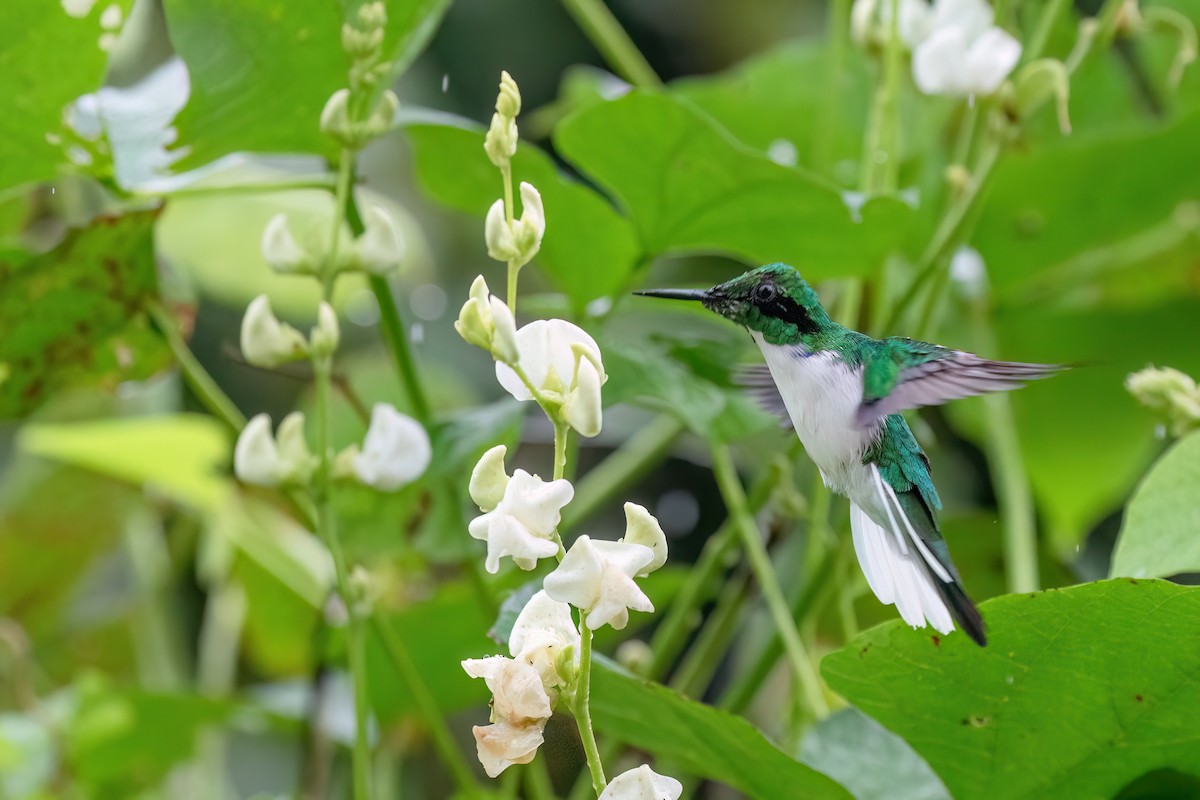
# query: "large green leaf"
[48,58]
[707,742]
[1082,194]
[589,249]
[1161,531]
[1079,691]
[261,70]
[73,316]
[133,449]
[691,187]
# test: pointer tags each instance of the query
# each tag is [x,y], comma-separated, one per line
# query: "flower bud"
[1169,392]
[293,448]
[361,43]
[324,338]
[372,15]
[267,342]
[642,528]
[1040,81]
[508,101]
[581,407]
[379,250]
[335,119]
[281,251]
[488,479]
[529,235]
[256,457]
[474,323]
[504,333]
[498,234]
[382,117]
[500,143]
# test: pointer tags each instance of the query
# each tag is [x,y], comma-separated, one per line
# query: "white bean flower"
[563,363]
[597,577]
[871,21]
[521,513]
[379,250]
[541,635]
[267,342]
[642,783]
[486,322]
[265,460]
[958,52]
[520,708]
[516,242]
[395,452]
[281,251]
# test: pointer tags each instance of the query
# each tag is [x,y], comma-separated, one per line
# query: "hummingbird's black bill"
[699,295]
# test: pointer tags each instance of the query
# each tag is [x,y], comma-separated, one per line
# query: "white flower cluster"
[956,48]
[379,250]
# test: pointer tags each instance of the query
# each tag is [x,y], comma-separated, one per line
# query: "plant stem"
[1051,13]
[194,374]
[394,334]
[427,707]
[837,30]
[583,714]
[704,656]
[1016,500]
[341,199]
[561,432]
[603,30]
[881,154]
[735,499]
[645,449]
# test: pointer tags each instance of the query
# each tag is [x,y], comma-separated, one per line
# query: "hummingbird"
[843,392]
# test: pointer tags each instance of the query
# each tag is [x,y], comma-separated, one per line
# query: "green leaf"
[996,723]
[48,58]
[870,761]
[1077,195]
[132,449]
[588,250]
[691,188]
[1085,441]
[707,742]
[1161,531]
[89,327]
[261,70]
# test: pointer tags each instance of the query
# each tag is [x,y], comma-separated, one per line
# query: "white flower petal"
[989,60]
[256,457]
[582,409]
[396,450]
[937,63]
[280,249]
[498,235]
[537,504]
[642,783]
[505,536]
[504,332]
[642,528]
[596,576]
[545,349]
[517,693]
[542,631]
[973,17]
[379,249]
[488,479]
[265,341]
[501,745]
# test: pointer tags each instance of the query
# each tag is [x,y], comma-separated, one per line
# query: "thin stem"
[392,327]
[561,433]
[603,30]
[583,714]
[194,374]
[537,780]
[1016,500]
[1051,13]
[837,30]
[427,707]
[735,499]
[881,154]
[646,448]
[704,657]
[510,214]
[340,198]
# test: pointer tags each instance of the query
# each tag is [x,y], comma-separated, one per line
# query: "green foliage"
[261,70]
[705,741]
[1078,692]
[89,327]
[48,58]
[690,187]
[1160,535]
[589,250]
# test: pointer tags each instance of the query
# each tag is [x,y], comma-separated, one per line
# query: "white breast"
[822,393]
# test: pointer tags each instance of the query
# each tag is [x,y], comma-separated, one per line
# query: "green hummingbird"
[843,391]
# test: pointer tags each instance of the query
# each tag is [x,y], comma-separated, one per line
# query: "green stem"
[427,706]
[392,327]
[881,156]
[583,714]
[735,499]
[1012,489]
[625,467]
[704,656]
[537,780]
[194,374]
[1051,13]
[837,30]
[603,30]
[341,200]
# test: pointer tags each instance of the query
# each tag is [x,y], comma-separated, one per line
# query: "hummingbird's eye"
[765,293]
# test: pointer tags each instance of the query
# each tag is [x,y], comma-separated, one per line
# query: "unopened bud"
[372,15]
[383,117]
[267,342]
[1169,392]
[508,101]
[335,119]
[379,250]
[500,144]
[281,251]
[1040,81]
[324,337]
[361,43]
[488,479]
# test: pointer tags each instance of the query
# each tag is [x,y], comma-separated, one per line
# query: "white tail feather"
[897,578]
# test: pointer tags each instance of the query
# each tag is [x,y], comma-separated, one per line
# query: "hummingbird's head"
[772,300]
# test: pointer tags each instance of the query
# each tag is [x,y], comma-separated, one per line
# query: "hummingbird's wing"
[902,373]
[757,381]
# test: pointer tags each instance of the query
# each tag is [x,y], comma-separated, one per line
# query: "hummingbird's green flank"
[843,392]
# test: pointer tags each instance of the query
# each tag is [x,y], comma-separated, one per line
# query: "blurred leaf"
[1078,692]
[261,70]
[120,741]
[589,249]
[132,449]
[1084,439]
[1084,193]
[89,327]
[705,741]
[1160,535]
[27,757]
[690,187]
[869,760]
[48,58]
[440,632]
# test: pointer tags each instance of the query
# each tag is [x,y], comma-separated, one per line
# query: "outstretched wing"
[760,386]
[908,374]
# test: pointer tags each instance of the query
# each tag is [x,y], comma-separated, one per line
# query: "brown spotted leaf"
[73,316]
